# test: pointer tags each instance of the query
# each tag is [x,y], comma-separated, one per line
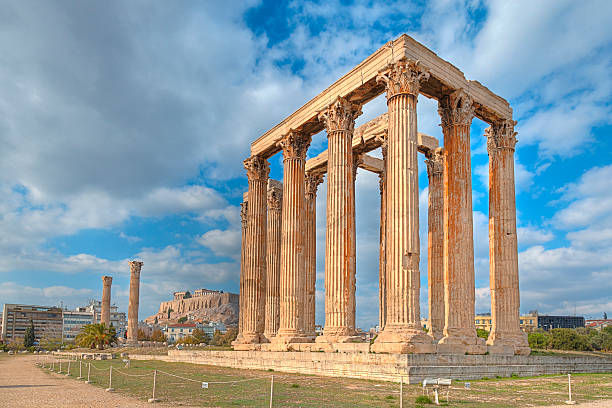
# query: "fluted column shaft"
[132,331]
[254,281]
[435,255]
[107,281]
[339,119]
[275,203]
[503,246]
[312,183]
[292,279]
[382,290]
[456,112]
[243,224]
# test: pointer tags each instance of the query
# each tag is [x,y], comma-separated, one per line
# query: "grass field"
[292,390]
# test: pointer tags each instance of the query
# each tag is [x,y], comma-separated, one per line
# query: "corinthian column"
[275,206]
[403,331]
[292,279]
[456,112]
[503,250]
[107,281]
[435,256]
[132,331]
[312,183]
[382,290]
[243,223]
[254,279]
[339,119]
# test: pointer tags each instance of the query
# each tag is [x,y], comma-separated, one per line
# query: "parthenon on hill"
[277,281]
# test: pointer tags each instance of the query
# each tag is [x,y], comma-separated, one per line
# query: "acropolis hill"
[204,304]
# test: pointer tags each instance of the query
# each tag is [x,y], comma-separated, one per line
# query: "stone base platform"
[413,368]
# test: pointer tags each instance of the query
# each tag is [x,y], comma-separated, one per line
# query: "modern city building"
[211,327]
[598,324]
[73,321]
[560,322]
[117,319]
[175,332]
[16,319]
[528,322]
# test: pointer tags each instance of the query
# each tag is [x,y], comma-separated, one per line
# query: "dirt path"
[598,404]
[22,384]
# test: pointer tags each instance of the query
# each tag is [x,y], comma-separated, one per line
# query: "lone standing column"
[254,279]
[275,206]
[456,112]
[339,119]
[503,249]
[132,332]
[403,331]
[312,184]
[107,281]
[292,279]
[435,256]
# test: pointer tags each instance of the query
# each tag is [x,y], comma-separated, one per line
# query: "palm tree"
[96,335]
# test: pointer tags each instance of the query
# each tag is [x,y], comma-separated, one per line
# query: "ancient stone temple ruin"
[277,280]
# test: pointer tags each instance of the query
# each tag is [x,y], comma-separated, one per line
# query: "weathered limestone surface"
[435,257]
[107,281]
[292,278]
[243,226]
[312,184]
[132,331]
[456,112]
[414,368]
[503,249]
[382,259]
[254,282]
[339,120]
[275,206]
[403,332]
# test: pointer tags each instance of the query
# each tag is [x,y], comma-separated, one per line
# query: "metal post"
[401,392]
[52,368]
[60,368]
[80,370]
[569,385]
[110,380]
[88,371]
[271,390]
[68,373]
[152,399]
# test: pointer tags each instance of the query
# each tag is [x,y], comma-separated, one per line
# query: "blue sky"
[123,127]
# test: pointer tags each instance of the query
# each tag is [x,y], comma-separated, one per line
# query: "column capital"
[135,266]
[107,280]
[257,168]
[340,115]
[275,198]
[295,145]
[456,108]
[403,77]
[435,162]
[312,182]
[501,135]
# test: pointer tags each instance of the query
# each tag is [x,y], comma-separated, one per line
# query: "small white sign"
[467,386]
[204,385]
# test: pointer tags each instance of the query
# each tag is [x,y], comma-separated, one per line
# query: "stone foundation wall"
[390,367]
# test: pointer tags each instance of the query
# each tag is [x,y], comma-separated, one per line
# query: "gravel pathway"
[23,384]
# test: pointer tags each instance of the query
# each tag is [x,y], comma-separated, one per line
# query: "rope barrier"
[132,375]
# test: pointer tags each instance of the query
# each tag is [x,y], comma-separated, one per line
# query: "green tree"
[182,319]
[539,340]
[200,336]
[143,336]
[158,335]
[482,333]
[29,338]
[50,343]
[96,335]
[568,339]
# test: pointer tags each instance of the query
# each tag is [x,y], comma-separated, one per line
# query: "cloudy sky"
[123,126]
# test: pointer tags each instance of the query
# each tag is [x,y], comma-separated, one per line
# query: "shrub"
[539,340]
[158,335]
[482,333]
[568,339]
[423,399]
[182,319]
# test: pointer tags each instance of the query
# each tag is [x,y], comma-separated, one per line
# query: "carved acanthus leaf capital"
[244,209]
[340,115]
[312,183]
[257,168]
[501,135]
[275,199]
[107,280]
[435,162]
[403,77]
[456,108]
[135,266]
[295,145]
